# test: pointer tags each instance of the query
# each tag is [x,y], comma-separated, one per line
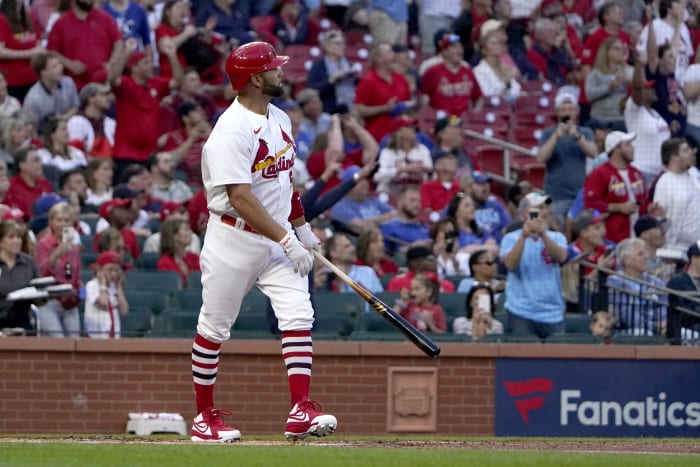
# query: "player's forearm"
[253,213]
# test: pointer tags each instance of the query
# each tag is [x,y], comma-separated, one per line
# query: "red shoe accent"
[209,426]
[306,418]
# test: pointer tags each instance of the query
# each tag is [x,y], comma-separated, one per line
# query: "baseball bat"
[427,346]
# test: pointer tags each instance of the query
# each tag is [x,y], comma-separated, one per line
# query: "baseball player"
[247,173]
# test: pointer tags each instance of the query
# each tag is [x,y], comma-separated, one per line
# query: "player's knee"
[296,324]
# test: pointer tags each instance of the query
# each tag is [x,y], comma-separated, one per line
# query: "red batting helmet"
[249,59]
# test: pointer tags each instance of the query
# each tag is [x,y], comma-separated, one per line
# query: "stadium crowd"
[105,106]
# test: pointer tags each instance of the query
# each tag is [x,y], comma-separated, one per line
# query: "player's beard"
[272,90]
[84,5]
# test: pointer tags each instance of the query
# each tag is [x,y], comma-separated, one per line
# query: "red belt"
[237,223]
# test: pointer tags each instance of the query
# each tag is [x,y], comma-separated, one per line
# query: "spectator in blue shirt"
[342,253]
[491,216]
[132,21]
[405,229]
[532,255]
[230,23]
[359,208]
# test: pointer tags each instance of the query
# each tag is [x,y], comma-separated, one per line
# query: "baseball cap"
[694,250]
[108,206]
[46,202]
[480,177]
[418,252]
[169,207]
[15,214]
[585,219]
[402,121]
[447,40]
[534,200]
[444,122]
[563,96]
[614,138]
[489,26]
[135,57]
[349,172]
[646,222]
[93,89]
[107,257]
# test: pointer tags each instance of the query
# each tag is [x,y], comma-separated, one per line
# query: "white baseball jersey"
[248,148]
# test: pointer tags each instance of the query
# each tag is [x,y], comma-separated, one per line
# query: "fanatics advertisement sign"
[599,398]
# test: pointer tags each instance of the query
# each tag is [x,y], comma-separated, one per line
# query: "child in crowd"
[479,306]
[602,324]
[420,306]
[104,298]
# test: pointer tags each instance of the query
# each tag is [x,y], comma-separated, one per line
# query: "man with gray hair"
[633,297]
[532,254]
[547,53]
[315,119]
[564,148]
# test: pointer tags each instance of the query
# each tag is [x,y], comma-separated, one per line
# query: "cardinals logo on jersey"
[290,141]
[262,158]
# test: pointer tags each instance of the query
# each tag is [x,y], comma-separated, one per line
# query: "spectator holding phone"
[478,306]
[58,256]
[532,255]
[450,260]
[564,148]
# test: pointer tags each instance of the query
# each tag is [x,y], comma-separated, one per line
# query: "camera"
[565,119]
[534,213]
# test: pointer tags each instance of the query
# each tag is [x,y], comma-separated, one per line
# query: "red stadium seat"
[302,52]
[542,119]
[490,159]
[496,103]
[487,116]
[263,25]
[535,103]
[532,171]
[539,87]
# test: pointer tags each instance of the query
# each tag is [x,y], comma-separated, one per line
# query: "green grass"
[316,453]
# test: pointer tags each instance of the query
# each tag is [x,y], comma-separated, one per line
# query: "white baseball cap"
[563,96]
[614,138]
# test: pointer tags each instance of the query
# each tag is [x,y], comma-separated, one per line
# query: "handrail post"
[506,164]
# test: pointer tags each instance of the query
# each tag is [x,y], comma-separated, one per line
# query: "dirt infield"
[626,446]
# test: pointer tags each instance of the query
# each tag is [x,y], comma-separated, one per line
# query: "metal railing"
[641,308]
[507,148]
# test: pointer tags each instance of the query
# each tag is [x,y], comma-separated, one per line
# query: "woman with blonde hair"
[607,83]
[496,77]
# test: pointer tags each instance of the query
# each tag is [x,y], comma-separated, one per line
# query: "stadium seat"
[194,280]
[165,281]
[495,102]
[154,300]
[534,102]
[487,117]
[90,220]
[373,322]
[302,52]
[533,172]
[263,25]
[255,302]
[337,322]
[175,322]
[189,299]
[639,340]
[148,260]
[538,87]
[87,241]
[530,119]
[490,159]
[573,338]
[577,323]
[452,304]
[348,303]
[136,323]
[426,119]
[87,258]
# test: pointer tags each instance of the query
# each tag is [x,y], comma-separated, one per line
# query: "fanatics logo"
[517,389]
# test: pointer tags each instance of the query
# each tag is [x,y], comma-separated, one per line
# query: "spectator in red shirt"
[418,259]
[20,43]
[371,252]
[420,307]
[191,91]
[379,91]
[186,143]
[435,194]
[610,18]
[617,188]
[87,39]
[548,55]
[119,214]
[175,237]
[450,84]
[29,184]
[138,102]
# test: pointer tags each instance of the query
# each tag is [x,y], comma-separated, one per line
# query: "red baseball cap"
[107,206]
[15,214]
[169,207]
[107,257]
[447,40]
[135,57]
[400,122]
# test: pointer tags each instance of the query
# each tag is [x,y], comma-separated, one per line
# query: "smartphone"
[450,238]
[534,213]
[608,250]
[565,119]
[483,303]
[68,235]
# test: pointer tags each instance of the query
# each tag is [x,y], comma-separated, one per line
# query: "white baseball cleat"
[209,427]
[306,419]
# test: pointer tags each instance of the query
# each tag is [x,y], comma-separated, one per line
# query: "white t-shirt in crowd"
[491,84]
[692,75]
[652,130]
[664,33]
[679,194]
